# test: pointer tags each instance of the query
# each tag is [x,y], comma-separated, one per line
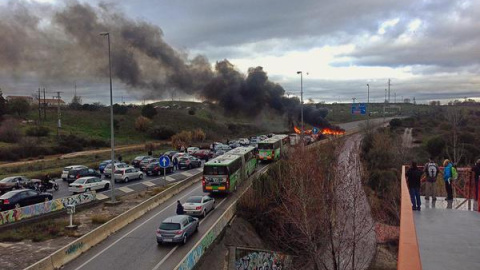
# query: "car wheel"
[196,228]
[184,241]
[159,243]
[204,214]
[125,180]
[107,186]
[140,176]
[87,190]
[56,187]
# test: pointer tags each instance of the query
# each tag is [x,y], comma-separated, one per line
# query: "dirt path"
[355,239]
[407,138]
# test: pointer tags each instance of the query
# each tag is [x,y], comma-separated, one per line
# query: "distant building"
[407,100]
[53,102]
[28,99]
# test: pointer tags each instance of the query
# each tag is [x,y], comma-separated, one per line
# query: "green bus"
[271,149]
[249,159]
[222,174]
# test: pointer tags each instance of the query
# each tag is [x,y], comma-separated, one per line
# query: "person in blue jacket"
[447,177]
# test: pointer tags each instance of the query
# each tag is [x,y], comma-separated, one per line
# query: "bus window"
[265,146]
[215,170]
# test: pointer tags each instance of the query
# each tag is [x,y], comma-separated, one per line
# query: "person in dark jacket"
[180,210]
[414,175]
[476,170]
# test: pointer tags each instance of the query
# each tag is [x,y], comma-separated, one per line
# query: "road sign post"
[164,162]
[315,130]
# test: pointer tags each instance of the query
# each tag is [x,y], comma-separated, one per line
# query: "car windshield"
[170,226]
[80,181]
[196,199]
[139,158]
[9,195]
[6,180]
[215,170]
[183,159]
[265,146]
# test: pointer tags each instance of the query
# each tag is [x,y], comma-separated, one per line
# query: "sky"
[429,49]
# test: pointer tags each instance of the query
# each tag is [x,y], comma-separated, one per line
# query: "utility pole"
[368,105]
[44,105]
[301,104]
[395,95]
[39,106]
[59,122]
[388,90]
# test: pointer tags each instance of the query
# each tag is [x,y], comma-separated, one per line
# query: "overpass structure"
[444,234]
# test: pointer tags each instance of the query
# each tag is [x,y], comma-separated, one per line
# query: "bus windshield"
[265,146]
[215,170]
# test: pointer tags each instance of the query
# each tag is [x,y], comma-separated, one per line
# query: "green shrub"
[161,133]
[38,131]
[435,146]
[149,111]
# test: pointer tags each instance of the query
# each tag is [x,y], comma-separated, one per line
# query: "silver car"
[176,229]
[127,174]
[199,205]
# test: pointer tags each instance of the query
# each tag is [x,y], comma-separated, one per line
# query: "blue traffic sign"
[164,161]
[315,130]
[360,108]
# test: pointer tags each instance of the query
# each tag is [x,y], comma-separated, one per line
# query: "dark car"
[170,154]
[78,173]
[136,161]
[189,162]
[155,169]
[22,197]
[14,182]
[203,154]
[144,164]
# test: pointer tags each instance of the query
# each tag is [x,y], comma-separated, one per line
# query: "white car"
[72,167]
[191,150]
[108,169]
[90,183]
[127,174]
[243,141]
[199,205]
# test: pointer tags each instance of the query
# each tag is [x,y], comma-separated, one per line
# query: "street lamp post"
[301,106]
[368,105]
[112,143]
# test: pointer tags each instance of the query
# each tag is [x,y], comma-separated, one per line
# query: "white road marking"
[187,174]
[126,189]
[134,229]
[170,179]
[156,267]
[148,184]
[101,196]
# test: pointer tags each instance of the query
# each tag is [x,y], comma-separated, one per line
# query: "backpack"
[432,170]
[454,173]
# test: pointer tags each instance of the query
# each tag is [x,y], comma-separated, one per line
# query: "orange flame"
[325,131]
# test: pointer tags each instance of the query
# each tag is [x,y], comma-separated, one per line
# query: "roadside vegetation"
[44,230]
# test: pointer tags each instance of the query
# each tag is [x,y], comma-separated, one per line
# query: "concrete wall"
[251,259]
[18,214]
[84,243]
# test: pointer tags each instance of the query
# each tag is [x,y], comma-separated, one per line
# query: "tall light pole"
[112,143]
[301,105]
[368,105]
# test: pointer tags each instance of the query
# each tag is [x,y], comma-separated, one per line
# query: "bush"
[184,138]
[435,146]
[38,131]
[142,124]
[394,123]
[19,107]
[149,111]
[160,133]
[199,135]
[119,109]
[9,131]
[191,111]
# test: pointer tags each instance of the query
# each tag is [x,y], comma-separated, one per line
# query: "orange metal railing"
[408,253]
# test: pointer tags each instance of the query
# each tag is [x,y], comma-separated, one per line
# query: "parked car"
[155,169]
[22,197]
[190,150]
[219,153]
[104,164]
[234,144]
[199,205]
[75,174]
[223,147]
[136,161]
[179,155]
[117,166]
[262,137]
[176,229]
[146,162]
[14,182]
[189,162]
[170,154]
[270,135]
[85,184]
[67,169]
[243,141]
[127,174]
[203,154]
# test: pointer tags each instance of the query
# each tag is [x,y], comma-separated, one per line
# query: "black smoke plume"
[60,43]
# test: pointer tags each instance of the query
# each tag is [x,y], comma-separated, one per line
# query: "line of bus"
[225,173]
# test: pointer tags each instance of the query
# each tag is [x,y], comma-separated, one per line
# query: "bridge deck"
[447,238]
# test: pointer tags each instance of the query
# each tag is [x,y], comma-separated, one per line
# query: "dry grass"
[37,232]
[101,218]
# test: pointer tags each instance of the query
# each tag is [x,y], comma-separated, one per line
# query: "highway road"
[135,246]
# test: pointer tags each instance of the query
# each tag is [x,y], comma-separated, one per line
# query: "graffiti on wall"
[74,248]
[196,253]
[248,259]
[25,212]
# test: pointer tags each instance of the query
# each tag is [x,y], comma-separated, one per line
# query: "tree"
[3,104]
[435,146]
[120,109]
[19,107]
[455,148]
[184,138]
[76,102]
[149,111]
[142,124]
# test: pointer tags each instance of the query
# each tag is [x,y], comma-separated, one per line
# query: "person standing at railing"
[447,177]
[431,173]
[476,170]
[414,175]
